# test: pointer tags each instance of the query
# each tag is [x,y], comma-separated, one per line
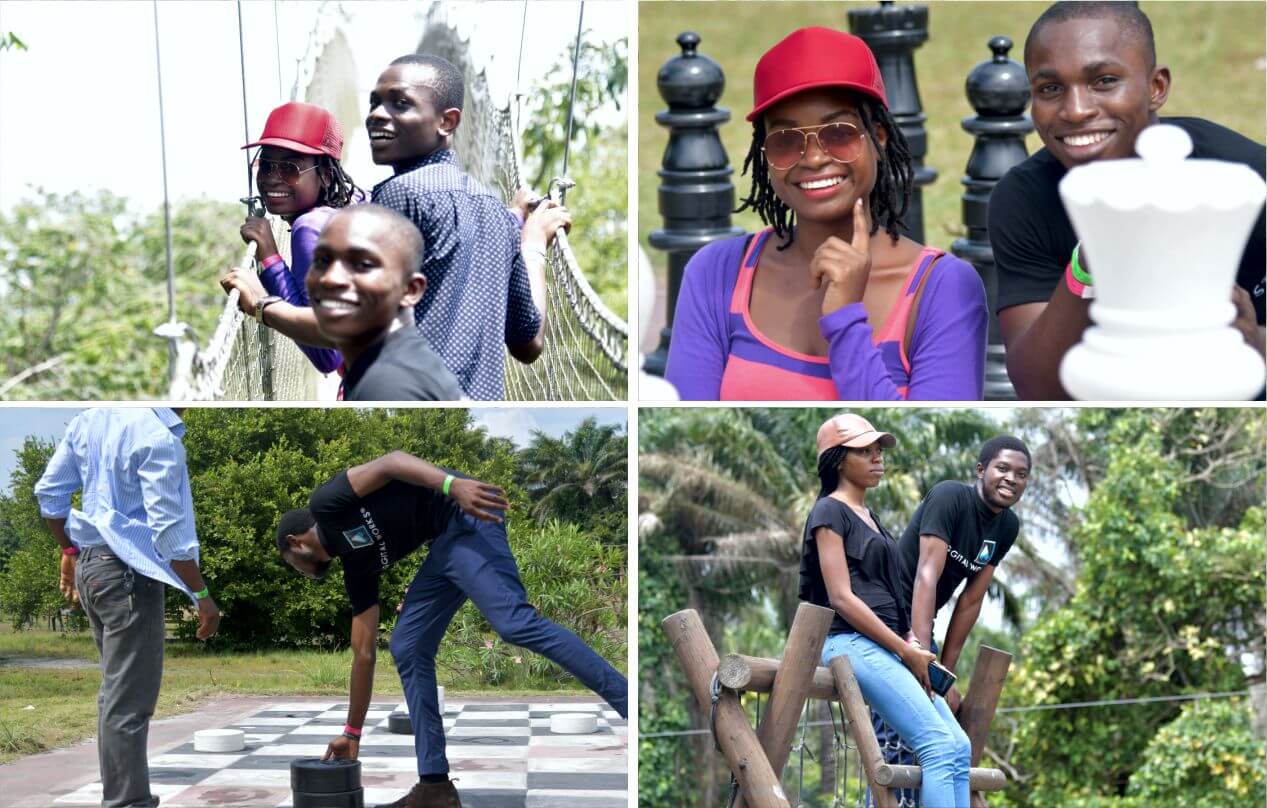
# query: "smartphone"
[941,679]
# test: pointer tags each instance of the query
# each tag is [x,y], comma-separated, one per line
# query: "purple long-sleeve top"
[718,353]
[287,282]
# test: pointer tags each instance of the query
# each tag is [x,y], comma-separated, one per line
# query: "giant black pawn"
[400,724]
[317,783]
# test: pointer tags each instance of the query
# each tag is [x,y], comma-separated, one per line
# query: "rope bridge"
[586,345]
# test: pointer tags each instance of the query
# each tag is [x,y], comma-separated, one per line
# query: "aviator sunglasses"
[841,142]
[288,172]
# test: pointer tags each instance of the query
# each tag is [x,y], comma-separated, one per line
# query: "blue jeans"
[927,726]
[895,751]
[472,560]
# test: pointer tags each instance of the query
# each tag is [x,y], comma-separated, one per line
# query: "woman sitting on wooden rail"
[849,563]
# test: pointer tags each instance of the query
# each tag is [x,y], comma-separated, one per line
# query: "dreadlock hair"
[341,190]
[829,468]
[888,201]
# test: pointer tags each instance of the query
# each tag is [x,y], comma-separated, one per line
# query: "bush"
[1207,756]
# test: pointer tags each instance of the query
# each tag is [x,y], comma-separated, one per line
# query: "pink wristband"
[70,551]
[348,729]
[1077,288]
[271,261]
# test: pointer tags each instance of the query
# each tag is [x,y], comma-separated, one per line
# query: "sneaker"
[429,795]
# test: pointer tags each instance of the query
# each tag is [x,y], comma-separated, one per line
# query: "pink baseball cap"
[305,128]
[853,431]
[815,57]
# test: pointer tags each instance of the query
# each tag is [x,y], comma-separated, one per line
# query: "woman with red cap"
[821,305]
[301,180]
[850,564]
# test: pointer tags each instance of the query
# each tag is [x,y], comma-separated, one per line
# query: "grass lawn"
[65,701]
[1214,50]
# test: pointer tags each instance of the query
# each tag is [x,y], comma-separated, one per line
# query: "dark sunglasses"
[841,142]
[288,172]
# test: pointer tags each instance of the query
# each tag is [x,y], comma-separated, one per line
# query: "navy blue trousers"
[473,560]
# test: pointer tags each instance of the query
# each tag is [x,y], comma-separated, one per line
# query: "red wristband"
[70,551]
[1076,287]
[271,261]
[348,729]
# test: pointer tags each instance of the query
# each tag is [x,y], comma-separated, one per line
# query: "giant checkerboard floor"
[501,755]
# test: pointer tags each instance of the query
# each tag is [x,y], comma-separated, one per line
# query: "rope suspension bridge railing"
[586,345]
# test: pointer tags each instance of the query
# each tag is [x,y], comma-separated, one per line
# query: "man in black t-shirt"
[365,278]
[961,531]
[1095,86]
[375,514]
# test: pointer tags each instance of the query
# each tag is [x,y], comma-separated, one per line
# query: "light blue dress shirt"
[130,465]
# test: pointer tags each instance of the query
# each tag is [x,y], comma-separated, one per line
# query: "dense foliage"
[1139,572]
[83,285]
[249,465]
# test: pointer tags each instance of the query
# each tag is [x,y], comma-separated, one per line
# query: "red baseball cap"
[305,128]
[815,57]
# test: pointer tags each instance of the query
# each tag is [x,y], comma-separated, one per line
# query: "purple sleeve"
[947,350]
[288,284]
[700,343]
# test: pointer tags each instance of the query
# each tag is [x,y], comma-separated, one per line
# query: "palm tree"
[583,472]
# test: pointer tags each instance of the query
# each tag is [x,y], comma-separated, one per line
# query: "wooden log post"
[738,741]
[791,685]
[976,713]
[859,716]
[756,675]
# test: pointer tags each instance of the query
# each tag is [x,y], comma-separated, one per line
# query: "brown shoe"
[429,795]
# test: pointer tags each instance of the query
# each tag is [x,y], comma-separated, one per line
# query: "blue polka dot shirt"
[477,297]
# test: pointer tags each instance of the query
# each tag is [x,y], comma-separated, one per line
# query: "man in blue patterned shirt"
[133,532]
[480,293]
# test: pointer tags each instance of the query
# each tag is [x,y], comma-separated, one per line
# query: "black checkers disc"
[400,724]
[315,777]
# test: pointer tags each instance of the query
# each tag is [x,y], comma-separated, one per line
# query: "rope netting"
[586,345]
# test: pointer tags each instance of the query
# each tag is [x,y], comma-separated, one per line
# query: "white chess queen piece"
[1163,236]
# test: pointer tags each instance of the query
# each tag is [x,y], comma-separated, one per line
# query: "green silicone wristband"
[205,593]
[1079,273]
[448,480]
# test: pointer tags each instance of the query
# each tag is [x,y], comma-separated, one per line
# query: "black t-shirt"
[401,367]
[872,560]
[371,533]
[1032,238]
[955,513]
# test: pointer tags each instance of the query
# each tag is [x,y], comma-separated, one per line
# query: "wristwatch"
[263,303]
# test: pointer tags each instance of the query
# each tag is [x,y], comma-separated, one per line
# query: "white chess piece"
[650,388]
[1163,236]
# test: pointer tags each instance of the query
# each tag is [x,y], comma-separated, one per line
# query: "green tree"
[28,552]
[1163,603]
[83,283]
[596,162]
[579,475]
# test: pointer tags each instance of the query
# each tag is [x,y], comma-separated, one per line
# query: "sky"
[79,108]
[515,423]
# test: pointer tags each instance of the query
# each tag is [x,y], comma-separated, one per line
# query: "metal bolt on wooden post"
[791,685]
[737,739]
